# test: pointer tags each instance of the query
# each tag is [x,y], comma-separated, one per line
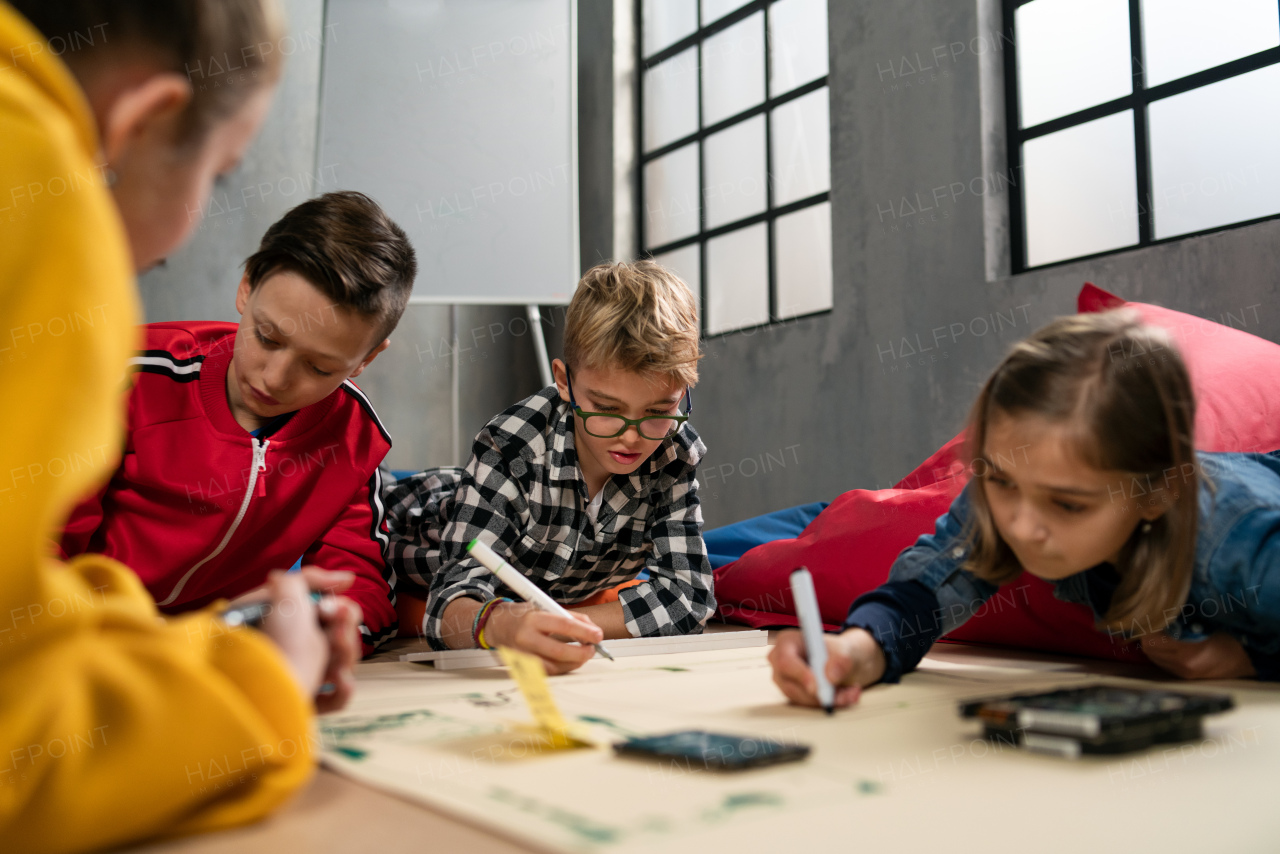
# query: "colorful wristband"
[482,617]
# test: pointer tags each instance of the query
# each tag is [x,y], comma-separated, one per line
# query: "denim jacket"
[1235,584]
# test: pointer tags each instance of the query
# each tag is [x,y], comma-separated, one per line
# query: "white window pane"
[801,148]
[1072,54]
[1081,190]
[665,22]
[735,173]
[738,279]
[685,263]
[1213,154]
[671,196]
[803,260]
[1181,37]
[733,70]
[797,43]
[671,99]
[714,10]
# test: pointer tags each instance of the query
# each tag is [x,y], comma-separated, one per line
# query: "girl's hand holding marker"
[854,660]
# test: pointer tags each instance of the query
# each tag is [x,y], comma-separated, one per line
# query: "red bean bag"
[851,545]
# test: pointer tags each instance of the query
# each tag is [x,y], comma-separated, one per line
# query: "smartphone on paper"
[714,751]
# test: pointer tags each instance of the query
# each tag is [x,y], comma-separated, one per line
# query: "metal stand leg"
[455,390]
[540,345]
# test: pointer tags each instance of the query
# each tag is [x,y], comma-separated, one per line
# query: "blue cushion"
[727,544]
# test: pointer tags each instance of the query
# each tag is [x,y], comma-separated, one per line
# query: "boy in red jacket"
[248,446]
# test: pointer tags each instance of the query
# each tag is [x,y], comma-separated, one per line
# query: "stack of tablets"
[1095,719]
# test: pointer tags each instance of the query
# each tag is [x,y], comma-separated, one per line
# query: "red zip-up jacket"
[201,510]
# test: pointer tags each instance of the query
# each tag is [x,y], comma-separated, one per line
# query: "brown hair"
[635,316]
[349,249]
[227,49]
[1124,391]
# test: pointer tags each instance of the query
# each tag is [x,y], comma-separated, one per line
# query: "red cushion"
[1236,375]
[851,545]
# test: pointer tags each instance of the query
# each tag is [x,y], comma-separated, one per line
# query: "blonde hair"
[634,316]
[227,49]
[1125,393]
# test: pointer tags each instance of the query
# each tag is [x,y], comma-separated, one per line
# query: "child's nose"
[275,375]
[633,434]
[1026,526]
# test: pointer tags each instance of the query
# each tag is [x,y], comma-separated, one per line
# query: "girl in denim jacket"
[1085,475]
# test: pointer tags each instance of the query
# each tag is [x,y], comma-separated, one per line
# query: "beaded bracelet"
[475,622]
[482,617]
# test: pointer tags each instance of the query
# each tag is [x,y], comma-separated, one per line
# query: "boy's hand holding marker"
[549,636]
[537,625]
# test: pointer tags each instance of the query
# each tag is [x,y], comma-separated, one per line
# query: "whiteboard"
[460,118]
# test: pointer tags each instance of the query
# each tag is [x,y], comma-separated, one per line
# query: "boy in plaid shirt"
[581,486]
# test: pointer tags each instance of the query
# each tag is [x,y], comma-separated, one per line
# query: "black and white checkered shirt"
[523,493]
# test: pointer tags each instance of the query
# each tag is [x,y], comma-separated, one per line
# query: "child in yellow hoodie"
[114,724]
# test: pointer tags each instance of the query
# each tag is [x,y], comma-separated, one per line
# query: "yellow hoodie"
[115,725]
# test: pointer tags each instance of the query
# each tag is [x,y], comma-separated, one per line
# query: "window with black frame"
[734,138]
[1133,122]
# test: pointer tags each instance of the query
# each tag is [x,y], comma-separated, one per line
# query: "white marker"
[523,587]
[811,627]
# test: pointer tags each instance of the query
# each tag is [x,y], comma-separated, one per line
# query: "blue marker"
[814,641]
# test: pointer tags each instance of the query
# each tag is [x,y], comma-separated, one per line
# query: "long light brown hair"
[1123,391]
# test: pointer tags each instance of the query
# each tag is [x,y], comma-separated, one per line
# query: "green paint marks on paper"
[580,825]
[751,799]
[606,722]
[869,787]
[419,726]
[673,669]
[350,752]
[344,728]
[736,803]
[902,704]
[489,701]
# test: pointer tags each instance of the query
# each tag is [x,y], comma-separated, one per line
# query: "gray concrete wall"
[808,409]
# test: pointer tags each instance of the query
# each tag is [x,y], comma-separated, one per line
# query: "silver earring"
[1146,527]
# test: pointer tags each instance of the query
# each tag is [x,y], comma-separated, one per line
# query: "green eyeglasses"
[605,425]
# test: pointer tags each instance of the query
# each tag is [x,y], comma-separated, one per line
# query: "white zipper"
[259,465]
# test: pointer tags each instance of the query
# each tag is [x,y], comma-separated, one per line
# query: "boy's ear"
[137,110]
[561,373]
[242,294]
[373,354]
